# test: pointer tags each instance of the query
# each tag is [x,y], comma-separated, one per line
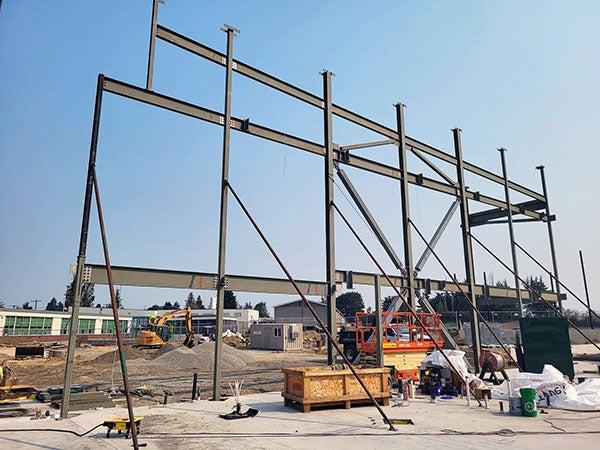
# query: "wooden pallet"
[346,404]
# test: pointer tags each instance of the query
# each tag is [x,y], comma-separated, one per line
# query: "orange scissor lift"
[405,343]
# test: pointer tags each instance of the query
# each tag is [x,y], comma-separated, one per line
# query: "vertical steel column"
[231,32]
[551,236]
[329,213]
[467,246]
[511,231]
[587,295]
[153,22]
[404,197]
[85,224]
[378,320]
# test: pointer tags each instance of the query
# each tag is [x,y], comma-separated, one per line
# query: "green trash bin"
[528,402]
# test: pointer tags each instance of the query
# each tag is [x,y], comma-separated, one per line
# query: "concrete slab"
[197,425]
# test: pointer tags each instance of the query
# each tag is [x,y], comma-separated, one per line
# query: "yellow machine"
[158,332]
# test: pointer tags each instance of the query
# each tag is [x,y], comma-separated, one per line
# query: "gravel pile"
[130,354]
[201,358]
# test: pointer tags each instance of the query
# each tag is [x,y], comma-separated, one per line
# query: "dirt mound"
[201,358]
[164,349]
[130,354]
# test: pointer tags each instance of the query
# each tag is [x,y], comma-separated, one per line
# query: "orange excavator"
[158,332]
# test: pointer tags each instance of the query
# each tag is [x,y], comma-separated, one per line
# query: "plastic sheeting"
[553,390]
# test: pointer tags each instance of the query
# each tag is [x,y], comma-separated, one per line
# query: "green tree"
[199,304]
[349,303]
[387,301]
[190,302]
[54,305]
[154,307]
[230,300]
[26,305]
[119,298]
[176,305]
[263,311]
[248,305]
[167,305]
[87,294]
[537,285]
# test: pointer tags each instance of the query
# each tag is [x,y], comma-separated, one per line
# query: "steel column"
[152,45]
[378,320]
[329,213]
[221,285]
[511,232]
[587,295]
[550,235]
[405,203]
[85,224]
[467,246]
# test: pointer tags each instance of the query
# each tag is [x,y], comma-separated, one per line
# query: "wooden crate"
[322,386]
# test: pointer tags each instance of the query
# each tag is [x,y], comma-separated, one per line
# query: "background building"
[297,312]
[276,336]
[50,326]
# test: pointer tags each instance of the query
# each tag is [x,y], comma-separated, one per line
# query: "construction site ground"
[98,368]
[446,424]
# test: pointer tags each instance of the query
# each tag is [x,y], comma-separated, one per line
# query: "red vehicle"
[405,342]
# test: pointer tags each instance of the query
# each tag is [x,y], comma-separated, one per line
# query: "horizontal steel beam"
[172,104]
[483,217]
[217,57]
[179,279]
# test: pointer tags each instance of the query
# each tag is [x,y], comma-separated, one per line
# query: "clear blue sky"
[518,74]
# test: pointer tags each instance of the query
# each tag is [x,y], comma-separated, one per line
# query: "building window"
[277,332]
[24,326]
[86,326]
[108,326]
[64,326]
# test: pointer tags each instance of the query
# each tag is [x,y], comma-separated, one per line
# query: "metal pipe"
[511,231]
[464,294]
[378,320]
[587,295]
[329,214]
[539,294]
[152,45]
[85,224]
[221,281]
[309,306]
[393,286]
[467,247]
[550,234]
[405,204]
[558,283]
[115,311]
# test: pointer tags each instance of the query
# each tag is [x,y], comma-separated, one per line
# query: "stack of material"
[87,400]
[312,339]
[56,393]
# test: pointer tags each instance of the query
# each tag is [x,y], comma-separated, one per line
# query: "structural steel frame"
[535,209]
